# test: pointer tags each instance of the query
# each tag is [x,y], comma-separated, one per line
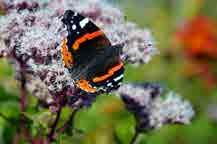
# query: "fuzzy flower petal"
[170,109]
[151,110]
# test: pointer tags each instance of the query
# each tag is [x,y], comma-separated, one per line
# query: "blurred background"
[185,32]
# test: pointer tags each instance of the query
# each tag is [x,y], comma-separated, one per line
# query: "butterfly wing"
[84,37]
[87,52]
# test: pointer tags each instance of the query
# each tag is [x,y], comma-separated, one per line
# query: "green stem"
[135,137]
[54,125]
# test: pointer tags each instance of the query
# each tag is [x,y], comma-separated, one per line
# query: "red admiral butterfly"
[92,61]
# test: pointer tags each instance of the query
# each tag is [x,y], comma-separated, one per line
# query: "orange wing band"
[84,85]
[66,55]
[109,74]
[86,37]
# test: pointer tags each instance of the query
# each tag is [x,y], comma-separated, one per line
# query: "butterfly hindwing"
[99,64]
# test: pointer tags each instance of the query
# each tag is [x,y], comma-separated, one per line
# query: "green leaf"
[6,96]
[65,139]
[10,109]
[43,118]
[125,130]
[6,69]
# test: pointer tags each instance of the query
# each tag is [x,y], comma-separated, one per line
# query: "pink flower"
[31,33]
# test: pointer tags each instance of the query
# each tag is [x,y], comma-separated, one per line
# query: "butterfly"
[92,61]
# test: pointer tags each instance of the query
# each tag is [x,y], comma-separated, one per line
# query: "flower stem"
[54,125]
[23,98]
[22,92]
[69,124]
[135,137]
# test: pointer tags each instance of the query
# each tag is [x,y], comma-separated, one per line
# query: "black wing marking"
[103,60]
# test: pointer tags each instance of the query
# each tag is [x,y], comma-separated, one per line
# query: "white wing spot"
[109,84]
[119,83]
[118,78]
[73,27]
[84,22]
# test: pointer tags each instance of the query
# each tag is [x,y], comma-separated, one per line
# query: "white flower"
[171,109]
[152,110]
[31,32]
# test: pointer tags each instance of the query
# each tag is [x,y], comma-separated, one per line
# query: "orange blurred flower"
[199,37]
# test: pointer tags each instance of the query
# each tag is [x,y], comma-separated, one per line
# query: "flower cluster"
[30,37]
[31,33]
[171,109]
[151,109]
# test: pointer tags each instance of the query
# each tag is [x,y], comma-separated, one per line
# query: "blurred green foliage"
[107,122]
